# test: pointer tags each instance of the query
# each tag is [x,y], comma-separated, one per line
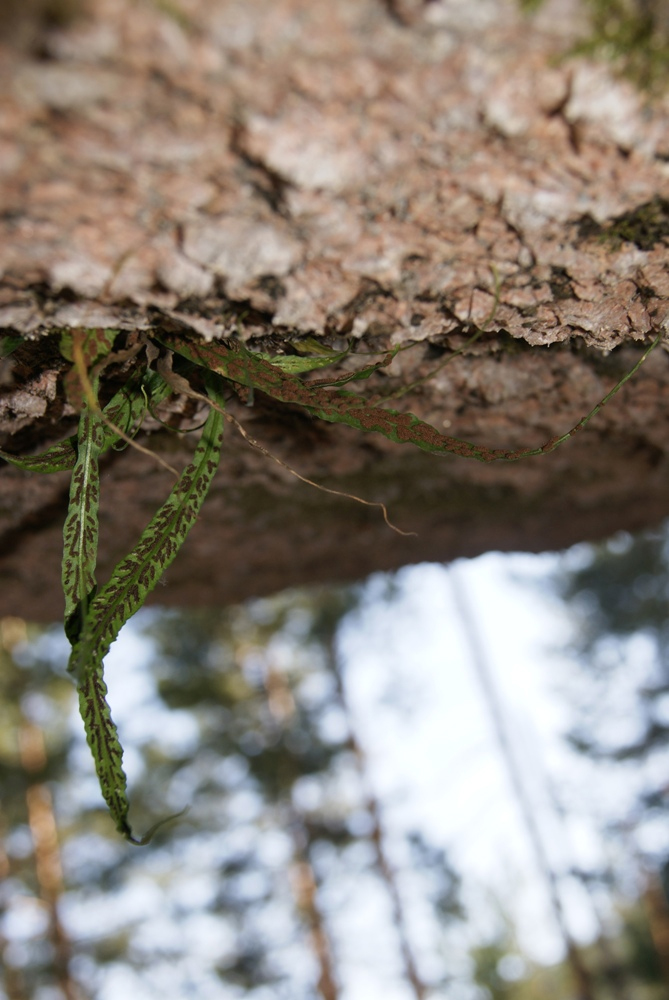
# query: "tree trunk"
[363,173]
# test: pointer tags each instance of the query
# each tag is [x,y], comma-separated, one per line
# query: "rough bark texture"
[352,170]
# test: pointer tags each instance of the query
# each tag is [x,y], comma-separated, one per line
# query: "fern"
[80,532]
[125,411]
[93,619]
[342,407]
[58,458]
[130,583]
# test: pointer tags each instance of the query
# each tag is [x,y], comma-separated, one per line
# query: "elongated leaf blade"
[137,575]
[132,580]
[295,364]
[335,405]
[342,407]
[105,745]
[58,458]
[126,409]
[94,344]
[80,532]
[84,348]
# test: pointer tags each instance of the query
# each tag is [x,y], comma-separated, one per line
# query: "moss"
[22,22]
[587,229]
[633,34]
[645,226]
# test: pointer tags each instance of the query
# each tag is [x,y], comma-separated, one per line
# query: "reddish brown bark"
[360,171]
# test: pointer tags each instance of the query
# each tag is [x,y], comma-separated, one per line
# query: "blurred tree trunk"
[361,172]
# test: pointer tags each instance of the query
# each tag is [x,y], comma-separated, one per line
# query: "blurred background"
[450,781]
[442,782]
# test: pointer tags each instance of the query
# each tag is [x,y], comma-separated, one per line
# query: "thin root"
[324,489]
[133,444]
[180,384]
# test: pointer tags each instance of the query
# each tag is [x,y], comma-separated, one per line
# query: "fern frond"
[130,583]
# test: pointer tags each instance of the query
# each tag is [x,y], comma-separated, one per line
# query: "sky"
[432,754]
[431,740]
[432,760]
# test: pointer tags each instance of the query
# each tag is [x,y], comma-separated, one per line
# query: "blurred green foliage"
[272,772]
[244,714]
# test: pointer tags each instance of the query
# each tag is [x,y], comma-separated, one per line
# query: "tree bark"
[361,172]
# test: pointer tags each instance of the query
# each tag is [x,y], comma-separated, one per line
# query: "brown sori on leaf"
[130,583]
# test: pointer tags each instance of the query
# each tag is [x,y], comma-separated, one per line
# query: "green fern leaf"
[132,580]
[84,348]
[341,407]
[94,344]
[80,532]
[336,406]
[126,409]
[58,458]
[102,737]
[296,364]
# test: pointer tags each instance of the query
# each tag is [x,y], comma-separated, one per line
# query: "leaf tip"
[149,835]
